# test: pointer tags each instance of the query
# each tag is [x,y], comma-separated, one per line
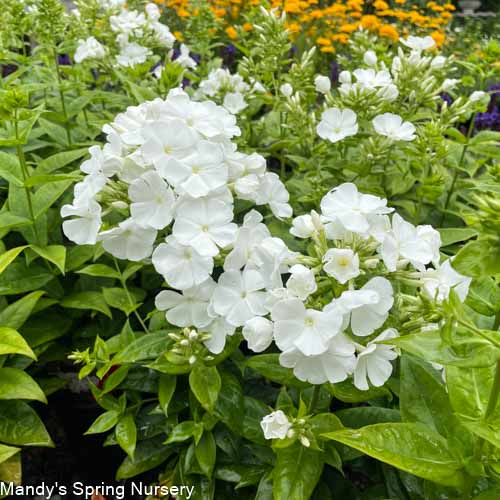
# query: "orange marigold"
[388,31]
[438,37]
[247,27]
[231,33]
[370,22]
[323,41]
[380,4]
[340,37]
[328,49]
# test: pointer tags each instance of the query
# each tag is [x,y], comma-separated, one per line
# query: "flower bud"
[305,442]
[345,77]
[322,84]
[286,89]
[370,58]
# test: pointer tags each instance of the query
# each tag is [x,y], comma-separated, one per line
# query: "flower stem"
[457,169]
[25,174]
[63,102]
[129,297]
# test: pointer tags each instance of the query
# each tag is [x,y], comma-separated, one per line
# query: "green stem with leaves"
[62,99]
[25,174]
[123,282]
[457,169]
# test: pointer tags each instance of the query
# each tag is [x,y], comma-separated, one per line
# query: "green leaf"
[59,160]
[485,136]
[115,379]
[484,296]
[87,300]
[296,472]
[205,453]
[7,257]
[149,346]
[469,390]
[10,469]
[19,278]
[166,391]
[478,259]
[126,434]
[323,423]
[10,168]
[410,447]
[6,452]
[205,382]
[104,422]
[53,253]
[38,180]
[450,235]
[12,342]
[17,313]
[472,351]
[20,425]
[183,431]
[120,299]
[367,415]
[10,221]
[47,195]
[348,393]
[100,270]
[268,366]
[148,455]
[423,398]
[254,411]
[229,406]
[16,384]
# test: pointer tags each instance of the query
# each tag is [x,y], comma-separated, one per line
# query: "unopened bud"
[305,442]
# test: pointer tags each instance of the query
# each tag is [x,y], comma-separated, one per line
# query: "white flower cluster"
[132,31]
[169,165]
[378,85]
[230,89]
[276,298]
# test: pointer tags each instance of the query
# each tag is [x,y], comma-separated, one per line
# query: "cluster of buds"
[188,347]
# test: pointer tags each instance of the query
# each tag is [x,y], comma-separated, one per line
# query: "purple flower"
[447,98]
[334,72]
[64,60]
[8,69]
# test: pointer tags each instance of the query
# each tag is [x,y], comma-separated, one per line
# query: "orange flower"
[328,49]
[370,22]
[231,33]
[438,37]
[341,37]
[380,4]
[323,41]
[178,36]
[247,27]
[388,31]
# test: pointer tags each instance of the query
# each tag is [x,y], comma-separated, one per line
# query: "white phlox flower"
[374,362]
[337,124]
[275,425]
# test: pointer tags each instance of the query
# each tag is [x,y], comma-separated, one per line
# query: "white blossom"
[89,49]
[341,263]
[337,124]
[392,126]
[258,332]
[275,425]
[374,362]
